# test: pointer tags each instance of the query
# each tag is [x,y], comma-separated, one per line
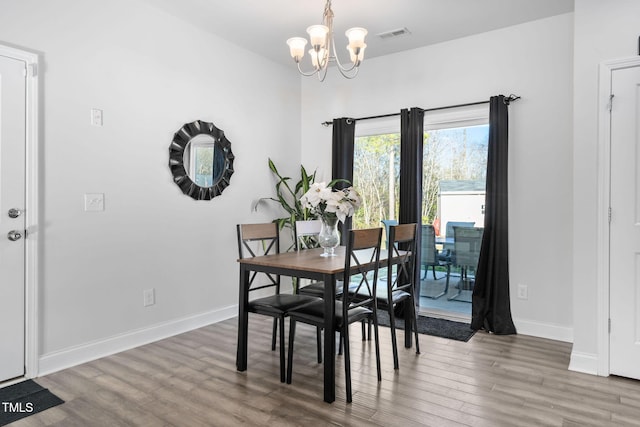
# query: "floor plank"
[191,380]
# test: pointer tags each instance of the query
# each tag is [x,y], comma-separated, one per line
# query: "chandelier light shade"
[323,48]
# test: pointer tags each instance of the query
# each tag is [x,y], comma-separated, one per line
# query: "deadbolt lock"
[14,213]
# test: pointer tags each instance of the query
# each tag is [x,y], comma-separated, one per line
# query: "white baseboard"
[584,362]
[544,330]
[87,352]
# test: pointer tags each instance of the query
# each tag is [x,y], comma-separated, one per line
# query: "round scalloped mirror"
[201,160]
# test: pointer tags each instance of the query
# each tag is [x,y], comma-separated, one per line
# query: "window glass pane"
[454,175]
[376,176]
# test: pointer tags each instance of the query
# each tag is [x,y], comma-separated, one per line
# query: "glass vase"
[329,236]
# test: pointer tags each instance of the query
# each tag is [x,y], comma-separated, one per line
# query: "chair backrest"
[451,224]
[307,234]
[363,249]
[428,245]
[388,223]
[467,242]
[402,239]
[257,240]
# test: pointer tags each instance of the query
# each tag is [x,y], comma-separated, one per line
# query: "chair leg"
[282,360]
[433,268]
[275,333]
[319,343]
[292,333]
[377,344]
[394,343]
[347,362]
[415,322]
[340,344]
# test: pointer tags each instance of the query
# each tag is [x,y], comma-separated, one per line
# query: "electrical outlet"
[149,296]
[523,291]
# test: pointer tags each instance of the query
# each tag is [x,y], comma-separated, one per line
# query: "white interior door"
[12,218]
[624,338]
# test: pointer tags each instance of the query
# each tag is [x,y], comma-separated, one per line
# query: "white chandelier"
[323,47]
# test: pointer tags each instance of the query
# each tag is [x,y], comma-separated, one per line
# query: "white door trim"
[604,181]
[32,208]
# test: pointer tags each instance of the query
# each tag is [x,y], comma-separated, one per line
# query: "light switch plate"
[96,117]
[93,202]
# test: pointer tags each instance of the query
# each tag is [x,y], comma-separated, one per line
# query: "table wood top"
[304,260]
[308,260]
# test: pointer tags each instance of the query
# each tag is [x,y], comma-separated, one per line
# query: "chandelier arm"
[307,73]
[322,73]
[343,69]
[348,76]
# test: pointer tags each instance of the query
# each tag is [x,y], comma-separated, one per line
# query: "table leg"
[329,339]
[408,323]
[243,319]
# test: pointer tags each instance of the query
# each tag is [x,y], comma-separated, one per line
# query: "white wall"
[533,60]
[150,73]
[603,31]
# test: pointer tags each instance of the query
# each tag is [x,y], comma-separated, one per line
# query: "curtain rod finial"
[510,98]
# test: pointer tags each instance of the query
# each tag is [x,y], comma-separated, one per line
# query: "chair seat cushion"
[314,313]
[316,289]
[281,303]
[396,296]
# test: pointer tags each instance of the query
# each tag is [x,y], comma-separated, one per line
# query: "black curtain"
[344,131]
[411,148]
[491,308]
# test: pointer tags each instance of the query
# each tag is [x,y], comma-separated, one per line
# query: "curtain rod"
[507,100]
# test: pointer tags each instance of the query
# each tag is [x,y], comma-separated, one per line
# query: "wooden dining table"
[307,264]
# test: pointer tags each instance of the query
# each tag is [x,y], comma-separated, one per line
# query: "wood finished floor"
[191,380]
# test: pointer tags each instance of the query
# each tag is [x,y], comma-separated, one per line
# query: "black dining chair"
[400,280]
[264,239]
[363,250]
[467,242]
[307,232]
[431,258]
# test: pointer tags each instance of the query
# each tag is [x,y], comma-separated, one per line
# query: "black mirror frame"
[176,160]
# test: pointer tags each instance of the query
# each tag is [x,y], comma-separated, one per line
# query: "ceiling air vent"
[394,33]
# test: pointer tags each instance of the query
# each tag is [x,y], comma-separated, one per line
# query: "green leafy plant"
[288,196]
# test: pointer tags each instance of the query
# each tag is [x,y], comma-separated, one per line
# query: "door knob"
[14,213]
[14,235]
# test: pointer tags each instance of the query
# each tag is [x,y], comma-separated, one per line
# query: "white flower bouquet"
[329,203]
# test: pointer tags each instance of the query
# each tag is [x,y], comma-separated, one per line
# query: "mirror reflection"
[203,160]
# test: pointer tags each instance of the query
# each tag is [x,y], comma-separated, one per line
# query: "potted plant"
[288,197]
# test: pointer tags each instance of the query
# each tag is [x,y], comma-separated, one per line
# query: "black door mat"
[20,400]
[433,326]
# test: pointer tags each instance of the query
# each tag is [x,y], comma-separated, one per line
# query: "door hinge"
[609,325]
[610,103]
[609,214]
[34,69]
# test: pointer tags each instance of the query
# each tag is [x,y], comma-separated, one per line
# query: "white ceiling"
[263,26]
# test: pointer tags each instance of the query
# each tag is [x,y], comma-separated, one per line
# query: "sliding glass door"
[453,193]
